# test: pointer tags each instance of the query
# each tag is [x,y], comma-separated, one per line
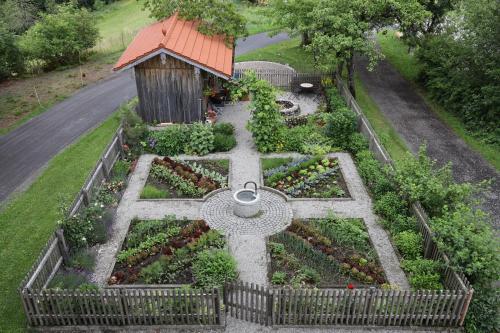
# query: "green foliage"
[423,273]
[241,88]
[266,123]
[276,248]
[153,192]
[391,206]
[82,260]
[152,273]
[465,234]
[224,142]
[306,275]
[212,268]
[303,138]
[224,129]
[142,229]
[409,243]
[133,127]
[374,175]
[425,281]
[483,311]
[460,72]
[60,38]
[11,60]
[400,223]
[201,140]
[340,126]
[278,278]
[170,141]
[120,169]
[218,17]
[66,280]
[357,143]
[420,180]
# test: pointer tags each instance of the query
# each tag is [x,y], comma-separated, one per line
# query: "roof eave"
[175,55]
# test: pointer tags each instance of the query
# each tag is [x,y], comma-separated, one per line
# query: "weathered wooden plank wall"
[171,91]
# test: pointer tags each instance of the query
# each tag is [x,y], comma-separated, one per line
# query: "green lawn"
[392,142]
[288,52]
[396,53]
[257,21]
[28,220]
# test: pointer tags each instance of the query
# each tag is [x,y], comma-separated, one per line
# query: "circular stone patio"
[276,215]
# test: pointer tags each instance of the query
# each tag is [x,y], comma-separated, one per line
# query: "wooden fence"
[286,79]
[329,307]
[100,173]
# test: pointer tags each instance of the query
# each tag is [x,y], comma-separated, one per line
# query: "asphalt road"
[26,150]
[417,125]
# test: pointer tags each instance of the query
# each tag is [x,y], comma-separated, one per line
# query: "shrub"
[201,140]
[133,127]
[153,192]
[357,143]
[421,266]
[11,60]
[153,273]
[82,260]
[223,128]
[409,243]
[401,223]
[212,268]
[61,37]
[170,141]
[340,125]
[224,142]
[335,101]
[347,232]
[483,311]
[266,123]
[306,275]
[278,278]
[425,281]
[120,169]
[277,248]
[373,173]
[391,206]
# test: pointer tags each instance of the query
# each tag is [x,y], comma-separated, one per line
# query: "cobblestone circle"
[276,215]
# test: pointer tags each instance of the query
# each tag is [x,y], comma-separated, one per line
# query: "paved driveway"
[24,151]
[417,124]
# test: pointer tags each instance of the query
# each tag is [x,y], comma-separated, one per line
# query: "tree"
[60,38]
[295,15]
[10,56]
[18,15]
[218,17]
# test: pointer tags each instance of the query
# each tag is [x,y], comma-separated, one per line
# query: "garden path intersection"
[247,237]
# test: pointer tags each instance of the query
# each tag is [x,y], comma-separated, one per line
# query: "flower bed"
[172,251]
[324,253]
[308,177]
[170,178]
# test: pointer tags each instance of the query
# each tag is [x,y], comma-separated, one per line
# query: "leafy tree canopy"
[218,17]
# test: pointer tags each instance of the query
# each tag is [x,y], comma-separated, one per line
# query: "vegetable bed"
[172,251]
[169,178]
[327,252]
[307,177]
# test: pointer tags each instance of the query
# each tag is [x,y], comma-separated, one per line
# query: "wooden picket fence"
[286,79]
[100,173]
[330,307]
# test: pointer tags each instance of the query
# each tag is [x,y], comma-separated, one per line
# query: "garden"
[174,178]
[172,251]
[306,177]
[328,252]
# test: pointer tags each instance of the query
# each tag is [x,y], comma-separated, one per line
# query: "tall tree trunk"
[350,75]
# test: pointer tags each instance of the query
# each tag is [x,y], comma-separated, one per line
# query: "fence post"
[269,307]
[124,307]
[105,169]
[63,247]
[465,308]
[217,307]
[86,198]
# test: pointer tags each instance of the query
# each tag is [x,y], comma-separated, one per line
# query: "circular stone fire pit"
[288,107]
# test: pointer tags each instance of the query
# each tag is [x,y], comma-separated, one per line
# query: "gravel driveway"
[417,124]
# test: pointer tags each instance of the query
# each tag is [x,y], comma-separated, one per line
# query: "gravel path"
[417,124]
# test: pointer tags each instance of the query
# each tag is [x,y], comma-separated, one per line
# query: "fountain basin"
[247,203]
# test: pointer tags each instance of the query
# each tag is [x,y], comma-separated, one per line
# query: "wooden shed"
[176,67]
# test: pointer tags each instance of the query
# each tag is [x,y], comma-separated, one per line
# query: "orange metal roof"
[181,39]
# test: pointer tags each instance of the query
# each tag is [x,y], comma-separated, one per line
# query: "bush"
[357,143]
[224,128]
[201,140]
[340,125]
[61,37]
[153,273]
[266,123]
[483,311]
[391,206]
[335,101]
[409,243]
[152,192]
[11,60]
[170,141]
[133,127]
[120,169]
[373,174]
[426,281]
[82,260]
[278,278]
[401,223]
[224,142]
[212,268]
